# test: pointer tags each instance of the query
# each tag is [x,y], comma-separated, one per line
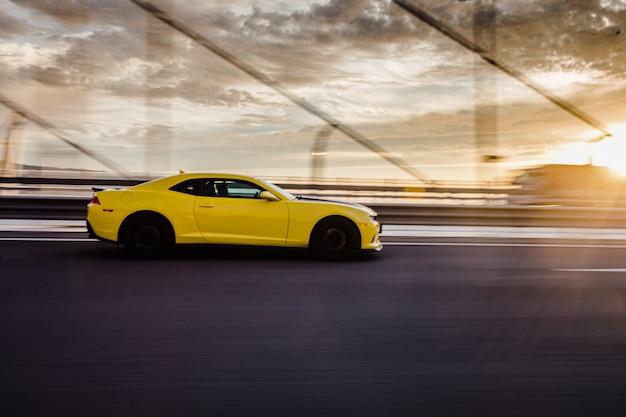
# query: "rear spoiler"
[96,189]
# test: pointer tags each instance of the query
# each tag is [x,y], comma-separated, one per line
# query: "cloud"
[366,63]
[316,39]
[318,43]
[70,13]
[10,26]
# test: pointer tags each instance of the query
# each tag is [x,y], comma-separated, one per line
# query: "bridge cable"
[50,128]
[207,44]
[487,57]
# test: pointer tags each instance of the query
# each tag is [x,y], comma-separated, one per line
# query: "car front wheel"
[334,239]
[147,236]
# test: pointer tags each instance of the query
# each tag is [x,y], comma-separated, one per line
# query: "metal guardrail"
[74,208]
[71,181]
[43,208]
[287,182]
[365,191]
[382,191]
[395,204]
[518,216]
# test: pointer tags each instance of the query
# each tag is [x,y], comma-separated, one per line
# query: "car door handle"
[206,206]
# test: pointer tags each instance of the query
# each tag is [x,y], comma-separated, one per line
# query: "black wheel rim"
[147,237]
[335,240]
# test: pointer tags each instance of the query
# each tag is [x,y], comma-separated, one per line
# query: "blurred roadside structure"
[570,185]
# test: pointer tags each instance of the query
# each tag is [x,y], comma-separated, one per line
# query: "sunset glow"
[611,151]
[124,86]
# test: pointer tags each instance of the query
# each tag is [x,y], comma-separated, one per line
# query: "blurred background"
[476,94]
[488,135]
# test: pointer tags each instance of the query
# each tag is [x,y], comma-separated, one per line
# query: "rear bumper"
[92,234]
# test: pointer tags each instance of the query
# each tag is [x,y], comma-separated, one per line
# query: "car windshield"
[276,188]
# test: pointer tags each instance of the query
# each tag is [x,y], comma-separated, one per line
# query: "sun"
[611,151]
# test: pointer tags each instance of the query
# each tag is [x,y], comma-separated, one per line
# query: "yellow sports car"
[150,218]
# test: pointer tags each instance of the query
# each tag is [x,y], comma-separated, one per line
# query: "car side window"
[236,188]
[218,187]
[208,188]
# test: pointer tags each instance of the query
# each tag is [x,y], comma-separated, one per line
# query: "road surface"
[434,327]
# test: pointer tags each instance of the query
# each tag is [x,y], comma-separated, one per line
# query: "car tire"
[147,236]
[334,239]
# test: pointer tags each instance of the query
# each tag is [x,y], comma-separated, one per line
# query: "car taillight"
[94,200]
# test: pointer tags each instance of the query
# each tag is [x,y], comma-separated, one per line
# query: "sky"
[132,91]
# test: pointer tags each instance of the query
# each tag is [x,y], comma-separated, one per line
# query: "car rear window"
[192,187]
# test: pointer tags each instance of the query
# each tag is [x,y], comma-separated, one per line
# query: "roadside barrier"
[75,208]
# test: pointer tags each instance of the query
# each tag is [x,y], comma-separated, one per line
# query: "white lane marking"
[389,231]
[513,245]
[593,270]
[44,239]
[494,245]
[503,232]
[52,226]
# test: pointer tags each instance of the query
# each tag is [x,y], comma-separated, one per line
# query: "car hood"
[344,203]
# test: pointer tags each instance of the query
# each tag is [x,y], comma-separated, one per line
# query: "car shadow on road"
[223,252]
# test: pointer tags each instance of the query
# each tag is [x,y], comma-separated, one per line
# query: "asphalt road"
[461,330]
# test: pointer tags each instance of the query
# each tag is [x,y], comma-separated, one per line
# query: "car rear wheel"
[147,236]
[334,239]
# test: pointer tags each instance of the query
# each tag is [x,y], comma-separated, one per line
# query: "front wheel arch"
[335,238]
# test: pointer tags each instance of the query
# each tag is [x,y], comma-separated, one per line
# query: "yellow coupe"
[149,218]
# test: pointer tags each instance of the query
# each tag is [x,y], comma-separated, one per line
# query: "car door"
[230,211]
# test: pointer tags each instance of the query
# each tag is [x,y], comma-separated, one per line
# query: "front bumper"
[370,241]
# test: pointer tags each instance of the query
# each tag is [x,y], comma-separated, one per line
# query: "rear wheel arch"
[153,223]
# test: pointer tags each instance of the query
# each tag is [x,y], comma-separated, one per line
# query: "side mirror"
[266,195]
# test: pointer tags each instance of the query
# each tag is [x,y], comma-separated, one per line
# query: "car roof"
[169,181]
